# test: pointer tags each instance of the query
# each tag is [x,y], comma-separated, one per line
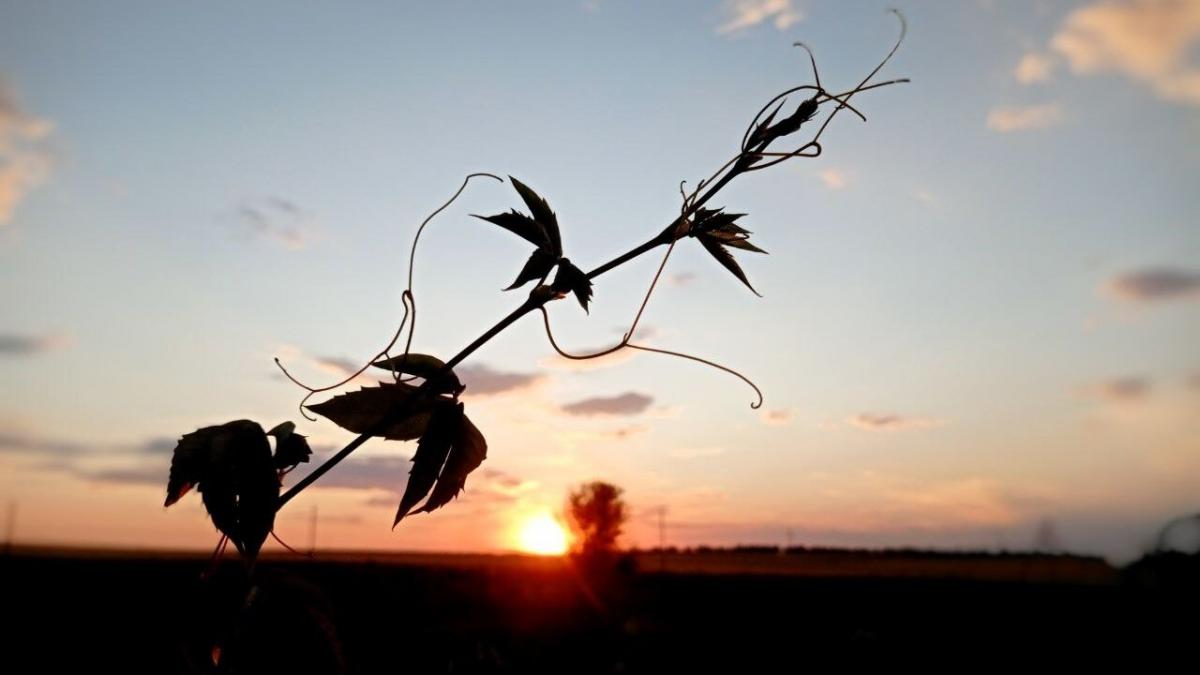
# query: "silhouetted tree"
[596,513]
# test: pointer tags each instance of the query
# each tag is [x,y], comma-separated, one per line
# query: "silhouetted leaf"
[541,213]
[232,467]
[538,266]
[430,456]
[709,220]
[524,227]
[425,366]
[468,452]
[791,123]
[714,247]
[359,411]
[742,243]
[291,448]
[760,132]
[571,279]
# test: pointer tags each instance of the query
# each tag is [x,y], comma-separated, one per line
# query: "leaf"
[291,452]
[468,452]
[713,246]
[791,123]
[425,366]
[761,131]
[541,213]
[360,411]
[430,456]
[539,265]
[571,279]
[524,227]
[708,220]
[742,243]
[232,467]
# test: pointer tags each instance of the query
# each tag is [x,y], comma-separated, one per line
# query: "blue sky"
[980,308]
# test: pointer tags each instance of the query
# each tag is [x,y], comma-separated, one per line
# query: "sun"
[543,535]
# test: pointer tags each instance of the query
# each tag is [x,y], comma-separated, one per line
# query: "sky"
[980,308]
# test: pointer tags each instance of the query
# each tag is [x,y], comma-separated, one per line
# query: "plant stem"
[400,410]
[531,303]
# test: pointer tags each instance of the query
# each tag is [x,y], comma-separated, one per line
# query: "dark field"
[716,612]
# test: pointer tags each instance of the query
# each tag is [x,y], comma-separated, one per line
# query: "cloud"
[278,220]
[482,380]
[336,365]
[1154,284]
[891,422]
[1034,68]
[680,278]
[1193,380]
[1149,41]
[25,156]
[743,14]
[15,442]
[1024,118]
[834,179]
[629,403]
[27,345]
[1119,390]
[777,417]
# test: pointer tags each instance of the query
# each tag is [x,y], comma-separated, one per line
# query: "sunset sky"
[981,308]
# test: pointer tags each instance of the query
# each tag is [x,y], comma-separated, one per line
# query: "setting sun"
[543,535]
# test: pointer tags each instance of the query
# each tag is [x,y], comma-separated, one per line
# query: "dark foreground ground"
[93,612]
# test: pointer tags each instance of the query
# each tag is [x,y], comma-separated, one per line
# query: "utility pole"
[662,538]
[10,527]
[312,531]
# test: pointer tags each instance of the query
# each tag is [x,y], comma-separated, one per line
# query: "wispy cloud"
[834,179]
[12,344]
[1034,68]
[743,14]
[1119,390]
[680,278]
[25,154]
[277,220]
[483,380]
[892,422]
[629,403]
[1150,41]
[1155,284]
[1024,118]
[777,417]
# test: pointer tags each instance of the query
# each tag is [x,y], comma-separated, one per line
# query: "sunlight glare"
[543,535]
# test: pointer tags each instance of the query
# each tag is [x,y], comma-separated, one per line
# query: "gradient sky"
[980,308]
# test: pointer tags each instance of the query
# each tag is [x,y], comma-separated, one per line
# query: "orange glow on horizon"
[542,534]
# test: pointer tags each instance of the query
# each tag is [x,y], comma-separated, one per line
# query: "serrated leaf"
[431,454]
[523,226]
[232,467]
[538,266]
[714,247]
[425,366]
[571,279]
[541,213]
[467,453]
[359,411]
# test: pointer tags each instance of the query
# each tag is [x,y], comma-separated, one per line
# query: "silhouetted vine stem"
[746,160]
